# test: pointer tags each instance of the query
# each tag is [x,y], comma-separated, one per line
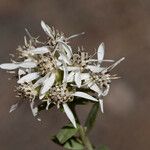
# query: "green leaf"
[73,144]
[103,147]
[92,117]
[66,133]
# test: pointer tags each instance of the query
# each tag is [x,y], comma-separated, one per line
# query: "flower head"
[50,72]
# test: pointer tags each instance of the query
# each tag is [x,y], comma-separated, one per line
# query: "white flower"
[50,72]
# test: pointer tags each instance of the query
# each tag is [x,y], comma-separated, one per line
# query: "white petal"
[73,68]
[48,83]
[40,81]
[40,50]
[78,79]
[70,77]
[115,64]
[47,29]
[69,114]
[9,66]
[75,35]
[94,87]
[34,109]
[13,107]
[28,78]
[84,95]
[96,60]
[28,64]
[100,52]
[65,73]
[58,63]
[95,69]
[85,76]
[65,58]
[67,49]
[101,105]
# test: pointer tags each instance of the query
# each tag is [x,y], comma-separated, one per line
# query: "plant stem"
[82,132]
[84,138]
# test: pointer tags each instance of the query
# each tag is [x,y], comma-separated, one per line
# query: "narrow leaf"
[92,116]
[66,133]
[74,144]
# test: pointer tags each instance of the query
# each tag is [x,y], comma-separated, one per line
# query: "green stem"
[82,132]
[84,138]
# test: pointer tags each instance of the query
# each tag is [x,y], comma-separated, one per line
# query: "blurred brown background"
[124,26]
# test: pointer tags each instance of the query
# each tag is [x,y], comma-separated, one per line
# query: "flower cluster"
[52,73]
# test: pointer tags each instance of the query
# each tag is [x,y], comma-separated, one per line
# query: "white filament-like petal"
[85,95]
[28,78]
[100,52]
[40,50]
[95,69]
[69,114]
[115,64]
[101,105]
[75,35]
[96,60]
[9,66]
[47,29]
[27,64]
[78,79]
[48,83]
[13,107]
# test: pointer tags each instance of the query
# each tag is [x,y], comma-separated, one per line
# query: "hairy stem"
[84,138]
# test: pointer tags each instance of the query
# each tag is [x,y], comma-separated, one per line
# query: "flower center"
[58,95]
